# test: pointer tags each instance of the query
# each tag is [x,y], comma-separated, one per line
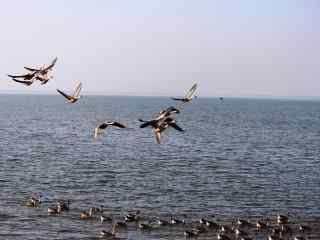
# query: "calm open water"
[237,158]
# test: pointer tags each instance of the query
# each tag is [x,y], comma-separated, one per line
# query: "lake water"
[237,157]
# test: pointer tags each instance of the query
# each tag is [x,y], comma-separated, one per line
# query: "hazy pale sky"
[161,47]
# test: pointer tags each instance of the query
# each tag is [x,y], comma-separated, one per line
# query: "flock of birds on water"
[240,229]
[159,124]
[277,228]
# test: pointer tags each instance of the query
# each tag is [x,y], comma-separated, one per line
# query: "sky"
[161,47]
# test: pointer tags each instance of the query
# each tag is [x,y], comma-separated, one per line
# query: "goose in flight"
[75,96]
[28,78]
[104,125]
[42,73]
[43,70]
[189,96]
[167,112]
[160,125]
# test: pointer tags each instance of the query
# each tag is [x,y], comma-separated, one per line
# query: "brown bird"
[104,125]
[160,125]
[75,96]
[189,96]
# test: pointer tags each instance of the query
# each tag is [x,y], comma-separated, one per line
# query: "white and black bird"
[75,96]
[104,125]
[189,96]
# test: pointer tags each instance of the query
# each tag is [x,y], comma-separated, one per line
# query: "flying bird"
[189,96]
[26,82]
[28,78]
[104,125]
[42,73]
[75,96]
[160,125]
[43,70]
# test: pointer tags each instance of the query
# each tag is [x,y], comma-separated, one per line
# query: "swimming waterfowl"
[120,224]
[212,224]
[144,226]
[246,238]
[176,221]
[33,202]
[208,223]
[104,125]
[189,96]
[132,217]
[274,237]
[162,222]
[240,232]
[282,219]
[86,215]
[104,218]
[243,222]
[221,236]
[299,238]
[109,234]
[75,96]
[65,206]
[190,234]
[304,228]
[226,229]
[199,229]
[261,225]
[285,229]
[54,210]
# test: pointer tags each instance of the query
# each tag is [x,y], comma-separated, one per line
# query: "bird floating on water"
[75,96]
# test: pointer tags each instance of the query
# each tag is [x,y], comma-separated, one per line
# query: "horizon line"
[95,93]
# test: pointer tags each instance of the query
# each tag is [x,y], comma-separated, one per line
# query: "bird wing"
[64,94]
[117,125]
[191,91]
[77,90]
[51,65]
[32,69]
[177,99]
[158,136]
[27,82]
[175,126]
[19,76]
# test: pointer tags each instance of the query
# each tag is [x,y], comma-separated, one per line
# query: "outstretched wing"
[23,81]
[51,65]
[116,124]
[191,91]
[18,76]
[77,91]
[32,69]
[64,94]
[175,126]
[177,99]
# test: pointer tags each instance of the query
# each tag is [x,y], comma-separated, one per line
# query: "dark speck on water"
[239,157]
